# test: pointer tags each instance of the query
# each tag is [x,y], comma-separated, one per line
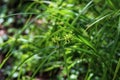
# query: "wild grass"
[68,40]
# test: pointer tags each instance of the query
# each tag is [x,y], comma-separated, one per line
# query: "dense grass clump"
[60,40]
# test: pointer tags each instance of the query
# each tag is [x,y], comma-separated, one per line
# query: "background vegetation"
[59,40]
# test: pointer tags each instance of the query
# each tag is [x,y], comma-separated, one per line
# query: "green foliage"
[61,39]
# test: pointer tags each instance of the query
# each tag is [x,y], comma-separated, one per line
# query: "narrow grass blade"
[38,68]
[116,70]
[98,20]
[118,26]
[19,14]
[82,12]
[4,61]
[110,3]
[86,42]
